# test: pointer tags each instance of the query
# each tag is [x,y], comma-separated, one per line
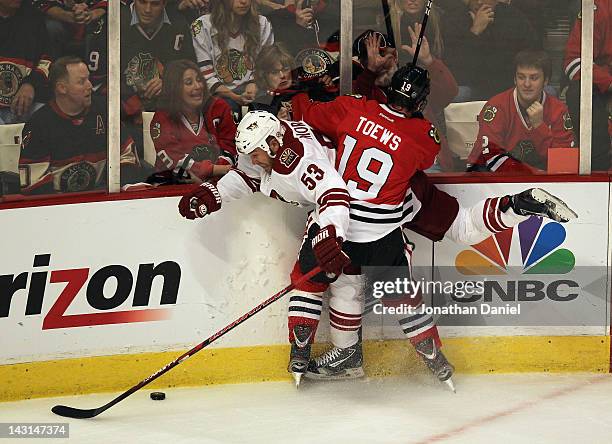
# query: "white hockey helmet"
[253,130]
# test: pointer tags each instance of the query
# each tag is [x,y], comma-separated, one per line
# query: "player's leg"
[420,328]
[344,360]
[305,304]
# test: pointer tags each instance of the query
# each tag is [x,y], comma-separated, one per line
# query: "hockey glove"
[537,202]
[200,201]
[327,249]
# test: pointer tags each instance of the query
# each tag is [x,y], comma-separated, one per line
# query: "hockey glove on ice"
[537,202]
[200,201]
[327,249]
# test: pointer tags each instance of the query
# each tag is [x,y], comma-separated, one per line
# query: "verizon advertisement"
[131,276]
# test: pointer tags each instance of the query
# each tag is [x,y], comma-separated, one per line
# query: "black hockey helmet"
[409,88]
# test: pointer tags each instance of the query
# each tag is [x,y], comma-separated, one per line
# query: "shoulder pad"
[288,159]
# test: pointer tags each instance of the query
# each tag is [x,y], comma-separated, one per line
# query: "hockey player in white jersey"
[286,161]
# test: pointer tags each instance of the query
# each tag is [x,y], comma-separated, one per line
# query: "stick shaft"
[78,413]
[422,33]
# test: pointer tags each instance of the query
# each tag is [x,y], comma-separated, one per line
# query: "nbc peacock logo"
[539,251]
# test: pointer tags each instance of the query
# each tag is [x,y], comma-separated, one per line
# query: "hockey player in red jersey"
[382,149]
[192,131]
[519,125]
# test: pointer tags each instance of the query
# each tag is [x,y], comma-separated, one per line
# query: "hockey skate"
[436,361]
[337,363]
[537,202]
[300,353]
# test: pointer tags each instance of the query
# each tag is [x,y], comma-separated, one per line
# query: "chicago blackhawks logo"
[233,65]
[141,69]
[10,81]
[433,133]
[196,27]
[488,113]
[155,130]
[312,63]
[78,177]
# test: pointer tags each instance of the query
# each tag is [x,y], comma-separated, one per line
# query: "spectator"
[412,12]
[96,55]
[520,125]
[303,24]
[227,42]
[24,61]
[481,38]
[274,79]
[66,21]
[65,142]
[602,83]
[380,63]
[192,129]
[277,82]
[152,35]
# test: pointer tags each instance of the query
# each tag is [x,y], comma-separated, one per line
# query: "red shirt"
[378,151]
[602,47]
[443,91]
[175,141]
[504,129]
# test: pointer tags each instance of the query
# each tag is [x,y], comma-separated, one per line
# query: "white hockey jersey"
[232,68]
[302,175]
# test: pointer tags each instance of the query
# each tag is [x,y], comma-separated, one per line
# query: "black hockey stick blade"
[72,412]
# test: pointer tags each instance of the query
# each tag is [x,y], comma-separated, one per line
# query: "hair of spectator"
[59,69]
[534,58]
[171,97]
[267,58]
[434,29]
[225,22]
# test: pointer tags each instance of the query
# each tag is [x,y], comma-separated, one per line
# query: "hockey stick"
[387,14]
[422,33]
[71,412]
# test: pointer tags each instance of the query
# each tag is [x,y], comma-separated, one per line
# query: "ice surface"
[529,408]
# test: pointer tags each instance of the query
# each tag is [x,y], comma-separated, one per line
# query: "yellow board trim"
[488,354]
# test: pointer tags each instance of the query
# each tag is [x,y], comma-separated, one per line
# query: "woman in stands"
[227,42]
[193,131]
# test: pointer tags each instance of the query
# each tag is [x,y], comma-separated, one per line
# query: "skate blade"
[450,384]
[297,378]
[353,373]
[563,212]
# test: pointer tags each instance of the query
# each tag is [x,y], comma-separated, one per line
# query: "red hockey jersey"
[180,146]
[378,151]
[504,129]
[602,47]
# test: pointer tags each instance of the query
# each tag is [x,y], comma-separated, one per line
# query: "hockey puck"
[158,396]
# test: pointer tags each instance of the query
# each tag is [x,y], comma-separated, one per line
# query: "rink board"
[268,363]
[217,269]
